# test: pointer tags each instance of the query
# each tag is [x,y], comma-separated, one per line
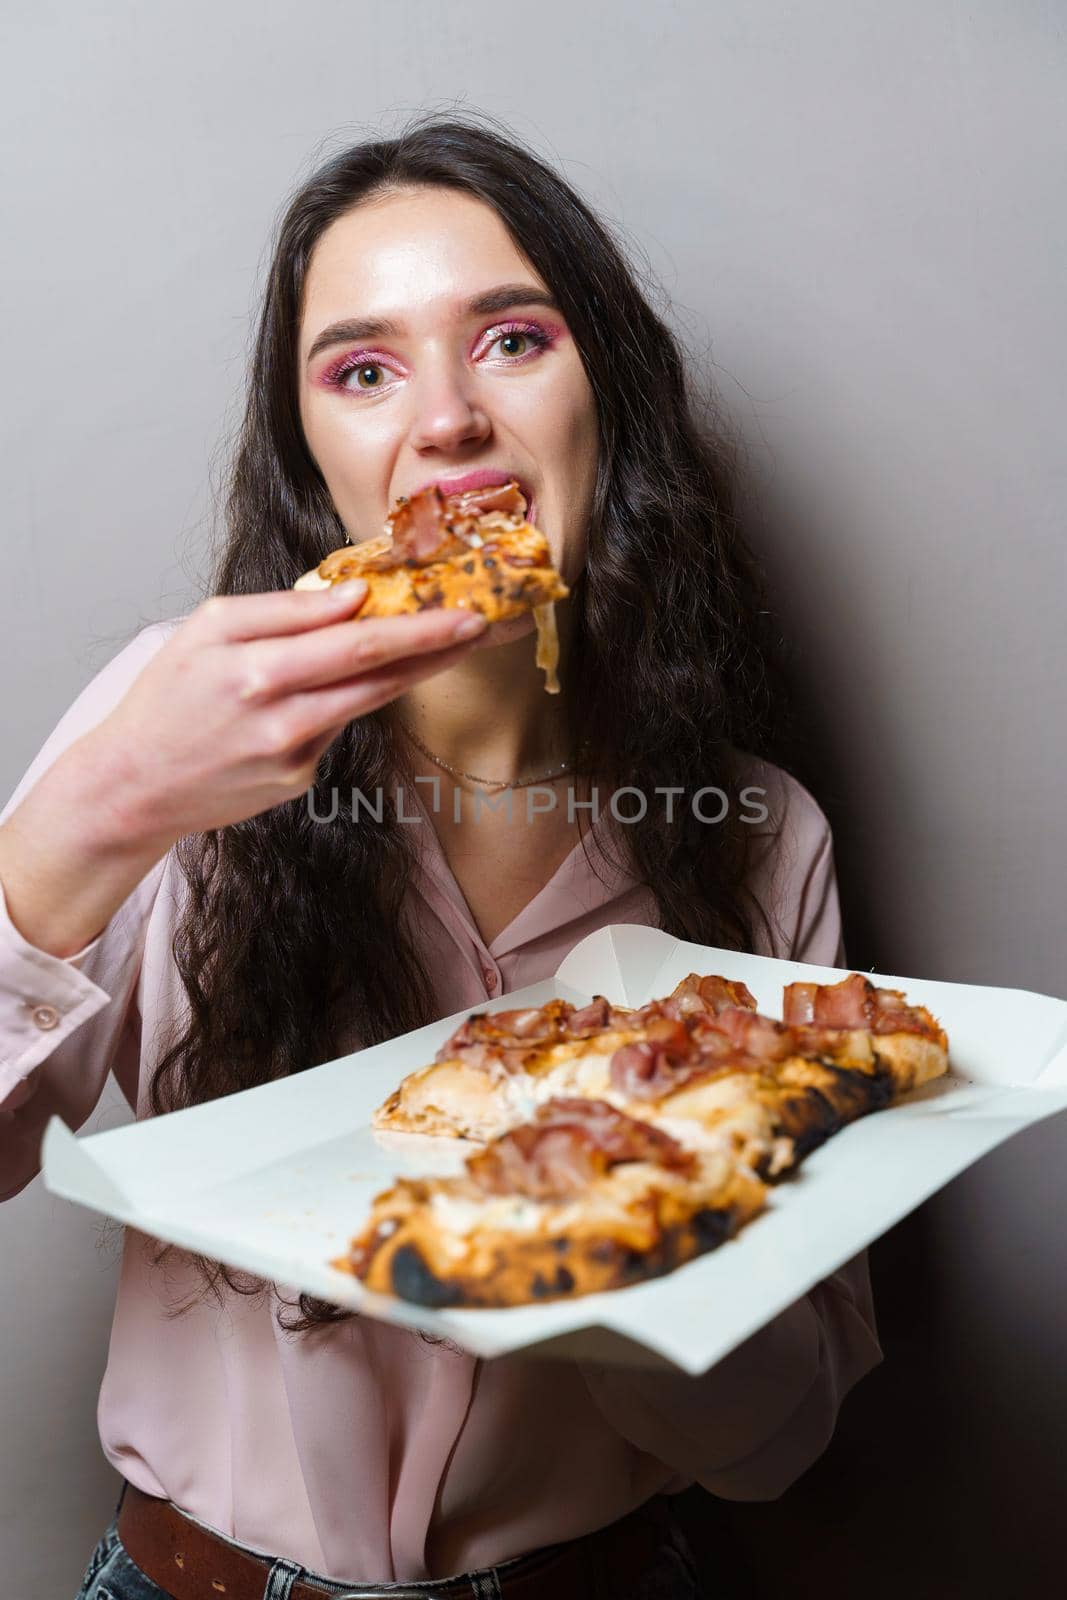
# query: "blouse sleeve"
[66,1022]
[792,879]
[748,1428]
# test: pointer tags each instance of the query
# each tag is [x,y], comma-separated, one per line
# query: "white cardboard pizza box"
[276,1180]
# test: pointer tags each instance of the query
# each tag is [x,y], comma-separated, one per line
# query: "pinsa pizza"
[580,1198]
[499,1066]
[615,1143]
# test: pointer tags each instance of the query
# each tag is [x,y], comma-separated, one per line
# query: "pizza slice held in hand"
[474,550]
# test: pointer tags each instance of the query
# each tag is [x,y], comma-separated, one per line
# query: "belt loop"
[280,1579]
[486,1586]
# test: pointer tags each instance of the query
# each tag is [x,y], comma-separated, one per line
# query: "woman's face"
[428,353]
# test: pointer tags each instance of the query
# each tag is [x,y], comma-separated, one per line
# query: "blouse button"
[46,1017]
[490,977]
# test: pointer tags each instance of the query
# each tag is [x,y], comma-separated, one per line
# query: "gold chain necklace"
[485,783]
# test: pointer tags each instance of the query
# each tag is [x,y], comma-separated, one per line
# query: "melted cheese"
[693,1135]
[460,1214]
[480,1102]
[616,1198]
[547,644]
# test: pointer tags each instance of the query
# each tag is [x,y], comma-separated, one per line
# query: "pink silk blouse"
[364,1452]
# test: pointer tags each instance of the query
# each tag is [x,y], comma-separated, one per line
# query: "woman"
[438,305]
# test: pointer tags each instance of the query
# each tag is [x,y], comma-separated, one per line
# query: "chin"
[505,632]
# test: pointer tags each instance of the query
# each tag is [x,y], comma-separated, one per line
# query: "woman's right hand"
[228,719]
[231,716]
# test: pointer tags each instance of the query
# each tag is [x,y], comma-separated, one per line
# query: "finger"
[234,617]
[322,713]
[268,669]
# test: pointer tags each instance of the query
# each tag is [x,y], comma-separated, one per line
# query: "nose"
[447,410]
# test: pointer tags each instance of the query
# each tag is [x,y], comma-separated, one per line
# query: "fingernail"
[468,627]
[351,589]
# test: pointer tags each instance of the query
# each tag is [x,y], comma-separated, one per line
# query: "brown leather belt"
[189,1562]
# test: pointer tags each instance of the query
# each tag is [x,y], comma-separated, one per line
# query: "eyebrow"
[503,298]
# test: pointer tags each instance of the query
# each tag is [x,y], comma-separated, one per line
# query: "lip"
[484,478]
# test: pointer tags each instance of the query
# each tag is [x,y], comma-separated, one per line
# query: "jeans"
[111,1575]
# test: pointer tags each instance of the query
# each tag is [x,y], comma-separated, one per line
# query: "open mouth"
[528,503]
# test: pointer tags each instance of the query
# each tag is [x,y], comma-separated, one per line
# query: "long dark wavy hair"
[292,942]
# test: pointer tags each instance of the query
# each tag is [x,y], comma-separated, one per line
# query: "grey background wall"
[857,212]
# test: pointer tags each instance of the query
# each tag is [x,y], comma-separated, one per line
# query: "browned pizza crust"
[448,1099]
[910,1059]
[634,1223]
[774,1116]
